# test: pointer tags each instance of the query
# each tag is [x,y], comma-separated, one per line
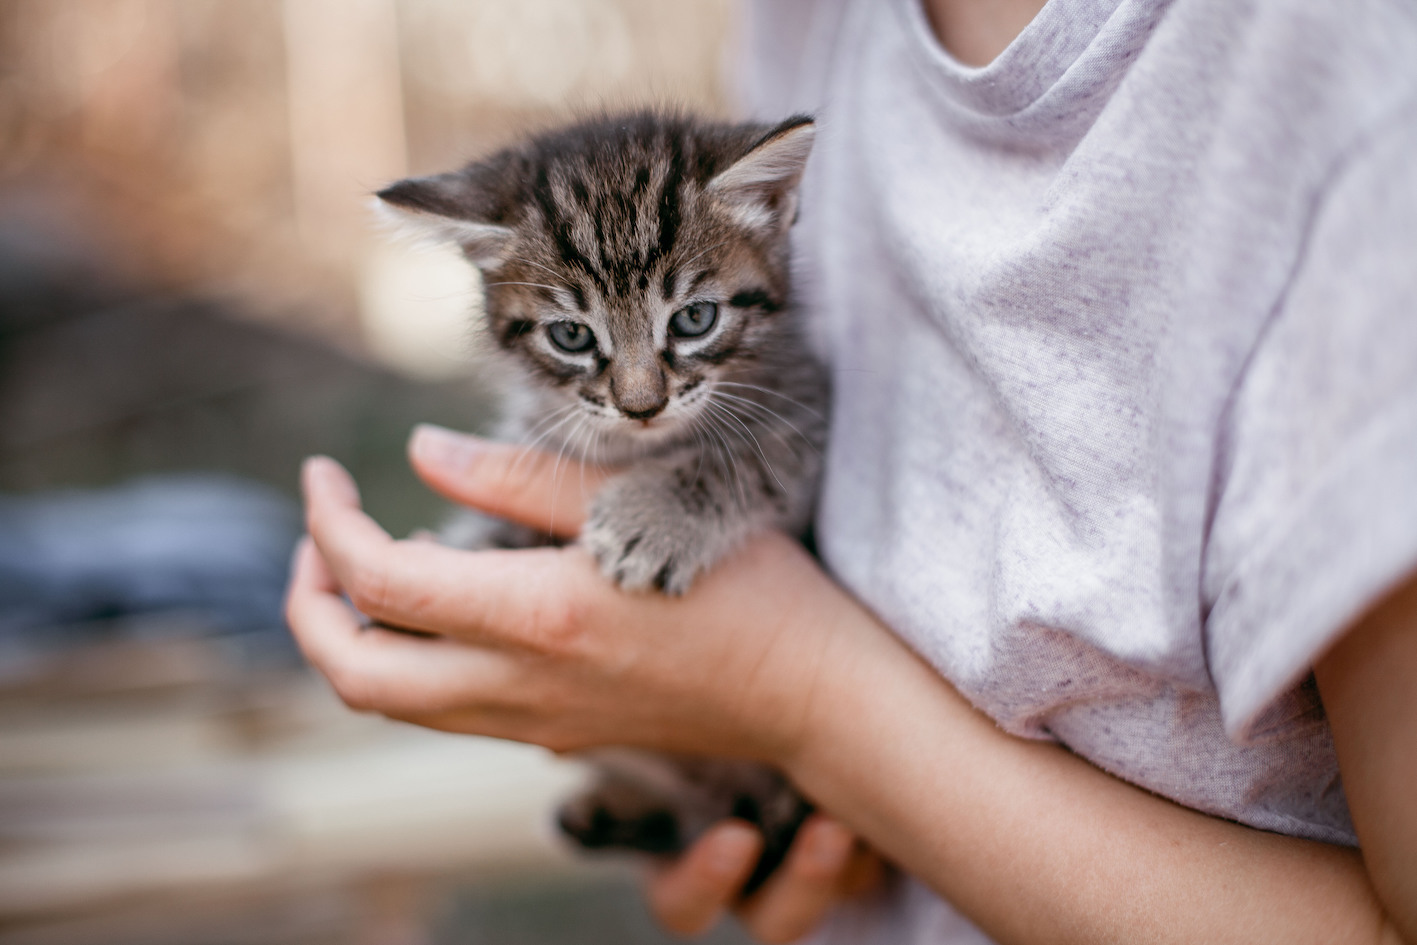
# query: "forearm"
[1366,685]
[1036,845]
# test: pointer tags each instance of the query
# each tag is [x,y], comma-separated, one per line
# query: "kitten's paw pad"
[644,558]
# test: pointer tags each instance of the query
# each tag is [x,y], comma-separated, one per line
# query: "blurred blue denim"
[212,548]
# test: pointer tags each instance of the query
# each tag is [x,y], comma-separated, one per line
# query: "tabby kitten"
[635,271]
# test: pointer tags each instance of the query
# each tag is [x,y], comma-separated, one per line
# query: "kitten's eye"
[570,336]
[693,320]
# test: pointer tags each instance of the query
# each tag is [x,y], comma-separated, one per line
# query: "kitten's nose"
[642,414]
[640,393]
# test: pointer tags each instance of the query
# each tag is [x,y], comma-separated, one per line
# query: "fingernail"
[733,845]
[334,476]
[313,466]
[440,446]
[829,844]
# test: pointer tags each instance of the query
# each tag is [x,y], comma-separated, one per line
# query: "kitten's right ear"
[437,207]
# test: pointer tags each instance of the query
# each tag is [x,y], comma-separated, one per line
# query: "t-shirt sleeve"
[1317,502]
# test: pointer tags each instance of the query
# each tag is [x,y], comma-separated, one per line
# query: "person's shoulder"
[1304,76]
[1370,43]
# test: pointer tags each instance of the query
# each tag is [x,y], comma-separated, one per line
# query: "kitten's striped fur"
[636,273]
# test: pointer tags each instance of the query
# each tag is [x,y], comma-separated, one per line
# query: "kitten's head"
[629,262]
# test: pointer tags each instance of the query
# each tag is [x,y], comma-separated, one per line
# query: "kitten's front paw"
[639,555]
[616,815]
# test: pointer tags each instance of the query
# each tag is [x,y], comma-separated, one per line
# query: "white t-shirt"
[1124,337]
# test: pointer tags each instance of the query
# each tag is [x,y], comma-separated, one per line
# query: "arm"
[1371,704]
[1035,844]
[1031,842]
[1369,686]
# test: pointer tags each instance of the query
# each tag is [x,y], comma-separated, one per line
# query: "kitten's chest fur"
[637,290]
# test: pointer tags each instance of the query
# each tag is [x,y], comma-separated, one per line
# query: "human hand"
[517,644]
[826,864]
[536,645]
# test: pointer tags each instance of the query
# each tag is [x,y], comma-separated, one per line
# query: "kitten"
[635,271]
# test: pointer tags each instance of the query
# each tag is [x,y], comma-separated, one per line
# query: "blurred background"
[193,298]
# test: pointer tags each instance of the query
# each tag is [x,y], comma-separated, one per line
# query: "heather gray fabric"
[1125,355]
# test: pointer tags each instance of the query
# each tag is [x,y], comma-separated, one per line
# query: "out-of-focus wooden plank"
[421,800]
[86,738]
[75,876]
[105,802]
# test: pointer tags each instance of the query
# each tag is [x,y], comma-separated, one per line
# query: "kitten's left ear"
[444,208]
[761,186]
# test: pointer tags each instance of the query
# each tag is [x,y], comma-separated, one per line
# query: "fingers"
[482,597]
[545,491]
[374,668]
[689,896]
[824,865]
[313,608]
[803,889]
[864,872]
[358,555]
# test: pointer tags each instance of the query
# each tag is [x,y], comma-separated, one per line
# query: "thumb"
[545,491]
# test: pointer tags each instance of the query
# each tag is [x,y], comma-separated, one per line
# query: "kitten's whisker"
[740,458]
[525,453]
[553,413]
[549,418]
[711,439]
[556,477]
[596,443]
[773,413]
[730,467]
[756,445]
[766,425]
[583,462]
[565,413]
[591,435]
[769,390]
[703,252]
[532,262]
[538,285]
[729,456]
[707,438]
[530,446]
[699,442]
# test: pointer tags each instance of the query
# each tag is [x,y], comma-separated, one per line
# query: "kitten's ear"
[441,208]
[761,186]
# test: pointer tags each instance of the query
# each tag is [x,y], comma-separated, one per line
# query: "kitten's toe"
[662,571]
[664,574]
[642,560]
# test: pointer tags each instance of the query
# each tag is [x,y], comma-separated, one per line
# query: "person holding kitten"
[1115,626]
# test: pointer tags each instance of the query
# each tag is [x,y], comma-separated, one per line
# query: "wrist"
[862,675]
[877,707]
